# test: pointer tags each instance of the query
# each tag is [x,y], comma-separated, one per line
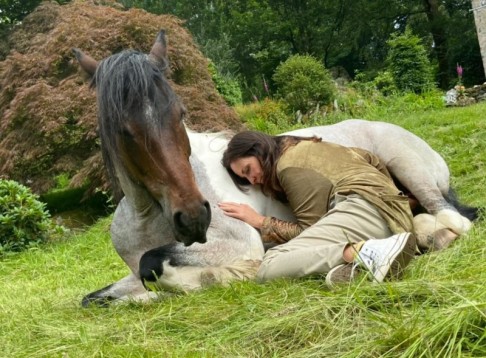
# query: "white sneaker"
[387,258]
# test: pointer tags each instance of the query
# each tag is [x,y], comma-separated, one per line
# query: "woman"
[349,212]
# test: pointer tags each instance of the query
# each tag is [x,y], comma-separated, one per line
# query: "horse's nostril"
[194,226]
[178,220]
[207,206]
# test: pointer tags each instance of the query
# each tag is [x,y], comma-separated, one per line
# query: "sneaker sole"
[342,274]
[400,260]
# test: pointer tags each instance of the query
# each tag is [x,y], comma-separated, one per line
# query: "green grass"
[437,310]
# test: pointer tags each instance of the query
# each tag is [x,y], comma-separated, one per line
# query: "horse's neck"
[213,179]
[216,184]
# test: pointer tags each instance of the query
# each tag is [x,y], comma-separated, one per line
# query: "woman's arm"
[271,229]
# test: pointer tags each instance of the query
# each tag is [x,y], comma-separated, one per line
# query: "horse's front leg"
[128,287]
[161,269]
[131,235]
[233,252]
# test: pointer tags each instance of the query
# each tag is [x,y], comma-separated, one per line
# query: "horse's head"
[143,138]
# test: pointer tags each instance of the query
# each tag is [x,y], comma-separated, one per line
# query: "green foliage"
[258,35]
[372,104]
[267,116]
[385,83]
[62,181]
[23,219]
[303,83]
[221,54]
[228,87]
[408,63]
[13,11]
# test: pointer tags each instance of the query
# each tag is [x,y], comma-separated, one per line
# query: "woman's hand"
[243,212]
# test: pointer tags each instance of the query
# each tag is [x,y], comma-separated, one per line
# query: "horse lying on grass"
[168,228]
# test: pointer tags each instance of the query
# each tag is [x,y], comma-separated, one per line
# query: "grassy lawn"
[437,310]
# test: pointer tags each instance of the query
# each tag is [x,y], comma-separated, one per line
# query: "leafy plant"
[24,221]
[303,82]
[227,86]
[384,82]
[268,116]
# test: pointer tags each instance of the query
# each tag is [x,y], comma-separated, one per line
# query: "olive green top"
[311,173]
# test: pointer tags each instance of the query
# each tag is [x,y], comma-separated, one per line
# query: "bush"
[303,83]
[385,83]
[227,87]
[24,221]
[408,63]
[268,116]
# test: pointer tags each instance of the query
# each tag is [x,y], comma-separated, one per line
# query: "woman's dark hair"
[267,149]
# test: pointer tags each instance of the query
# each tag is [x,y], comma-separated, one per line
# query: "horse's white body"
[408,158]
[234,249]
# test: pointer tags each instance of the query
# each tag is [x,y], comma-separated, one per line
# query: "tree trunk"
[436,26]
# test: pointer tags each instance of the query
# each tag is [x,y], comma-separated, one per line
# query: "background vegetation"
[437,310]
[252,37]
[24,220]
[247,39]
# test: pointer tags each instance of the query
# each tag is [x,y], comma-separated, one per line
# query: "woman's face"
[249,168]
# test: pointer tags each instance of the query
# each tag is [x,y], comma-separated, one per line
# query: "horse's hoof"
[98,301]
[436,241]
[454,221]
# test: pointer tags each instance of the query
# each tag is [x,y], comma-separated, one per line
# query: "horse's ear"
[159,50]
[86,62]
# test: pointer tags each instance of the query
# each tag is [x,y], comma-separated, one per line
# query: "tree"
[13,11]
[409,64]
[250,38]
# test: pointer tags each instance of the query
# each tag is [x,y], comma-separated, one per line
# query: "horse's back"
[400,150]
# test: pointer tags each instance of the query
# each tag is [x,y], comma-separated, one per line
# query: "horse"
[146,150]
[167,228]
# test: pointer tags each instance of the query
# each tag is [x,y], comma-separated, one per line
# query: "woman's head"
[250,157]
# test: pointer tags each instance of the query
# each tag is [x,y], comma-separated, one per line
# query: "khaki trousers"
[320,247]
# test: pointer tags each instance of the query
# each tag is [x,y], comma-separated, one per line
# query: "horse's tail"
[470,212]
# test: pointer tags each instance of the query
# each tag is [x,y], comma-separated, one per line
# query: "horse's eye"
[183,113]
[126,133]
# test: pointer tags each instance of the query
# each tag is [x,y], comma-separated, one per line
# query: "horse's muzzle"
[192,228]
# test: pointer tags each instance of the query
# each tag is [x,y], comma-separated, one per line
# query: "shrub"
[385,83]
[227,87]
[267,116]
[303,83]
[408,63]
[24,221]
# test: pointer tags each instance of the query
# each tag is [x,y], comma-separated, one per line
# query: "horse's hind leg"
[418,181]
[128,287]
[438,232]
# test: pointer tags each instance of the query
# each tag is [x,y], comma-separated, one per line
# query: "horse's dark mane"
[125,83]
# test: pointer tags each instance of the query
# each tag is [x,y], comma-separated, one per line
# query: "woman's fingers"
[242,212]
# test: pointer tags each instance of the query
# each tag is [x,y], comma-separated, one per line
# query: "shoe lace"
[368,257]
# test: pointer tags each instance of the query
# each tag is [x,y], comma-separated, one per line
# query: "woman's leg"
[320,247]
